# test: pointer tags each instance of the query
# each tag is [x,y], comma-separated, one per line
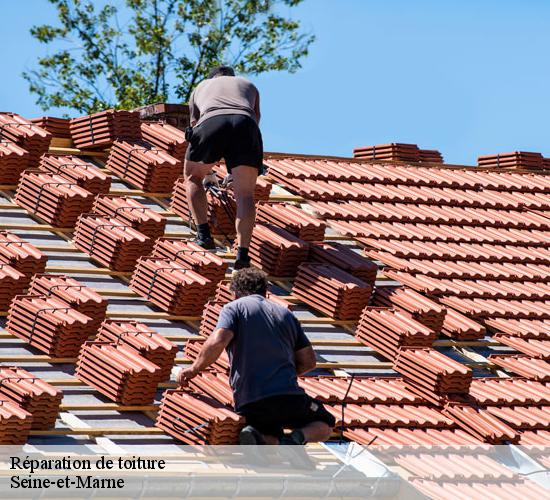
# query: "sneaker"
[207,243]
[241,264]
[251,436]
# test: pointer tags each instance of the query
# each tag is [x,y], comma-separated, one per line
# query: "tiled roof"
[428,283]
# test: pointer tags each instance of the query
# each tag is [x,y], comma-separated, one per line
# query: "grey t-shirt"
[261,354]
[224,95]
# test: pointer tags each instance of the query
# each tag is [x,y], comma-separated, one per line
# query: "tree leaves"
[157,50]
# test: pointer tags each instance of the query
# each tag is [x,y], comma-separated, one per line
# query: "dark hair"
[221,71]
[249,281]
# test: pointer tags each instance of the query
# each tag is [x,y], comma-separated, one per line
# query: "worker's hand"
[227,181]
[211,179]
[184,375]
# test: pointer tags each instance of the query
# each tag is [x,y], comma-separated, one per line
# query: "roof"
[431,282]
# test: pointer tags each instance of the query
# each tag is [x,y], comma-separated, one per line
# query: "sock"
[298,436]
[203,231]
[242,253]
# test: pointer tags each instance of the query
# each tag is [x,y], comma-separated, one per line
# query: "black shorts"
[235,138]
[292,411]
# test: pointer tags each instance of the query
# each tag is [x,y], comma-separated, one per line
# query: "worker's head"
[249,281]
[221,71]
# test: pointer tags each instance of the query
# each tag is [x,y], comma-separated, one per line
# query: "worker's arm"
[305,360]
[210,352]
[194,113]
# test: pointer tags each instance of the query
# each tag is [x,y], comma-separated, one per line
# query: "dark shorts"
[274,414]
[235,138]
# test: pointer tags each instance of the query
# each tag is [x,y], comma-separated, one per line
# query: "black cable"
[344,404]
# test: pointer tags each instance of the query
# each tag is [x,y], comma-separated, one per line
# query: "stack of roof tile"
[423,310]
[118,372]
[432,374]
[387,330]
[49,324]
[101,129]
[146,342]
[528,367]
[343,257]
[58,127]
[166,137]
[430,156]
[149,169]
[276,251]
[210,315]
[13,160]
[194,346]
[174,288]
[225,295]
[292,219]
[31,393]
[189,254]
[77,170]
[198,419]
[517,160]
[80,297]
[112,243]
[131,213]
[457,326]
[21,255]
[221,216]
[53,198]
[394,151]
[331,291]
[12,283]
[215,385]
[15,423]
[26,134]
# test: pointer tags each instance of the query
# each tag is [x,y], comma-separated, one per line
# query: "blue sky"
[467,77]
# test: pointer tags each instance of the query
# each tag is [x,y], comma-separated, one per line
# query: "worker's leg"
[316,431]
[194,173]
[244,182]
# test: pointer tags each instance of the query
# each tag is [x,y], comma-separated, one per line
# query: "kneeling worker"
[267,350]
[225,113]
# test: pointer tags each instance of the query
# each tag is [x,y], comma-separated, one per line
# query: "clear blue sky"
[467,77]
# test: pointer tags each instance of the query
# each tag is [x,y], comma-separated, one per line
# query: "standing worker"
[225,113]
[267,350]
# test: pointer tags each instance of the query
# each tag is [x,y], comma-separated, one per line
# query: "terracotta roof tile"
[533,369]
[100,130]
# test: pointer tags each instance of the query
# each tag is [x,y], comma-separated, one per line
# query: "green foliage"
[156,50]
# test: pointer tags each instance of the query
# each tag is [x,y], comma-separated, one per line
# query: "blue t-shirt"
[261,353]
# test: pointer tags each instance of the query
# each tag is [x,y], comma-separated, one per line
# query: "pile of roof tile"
[198,419]
[13,160]
[31,393]
[131,213]
[422,309]
[15,423]
[193,348]
[292,219]
[210,315]
[174,288]
[145,341]
[115,245]
[21,255]
[343,257]
[331,291]
[49,324]
[394,151]
[276,251]
[118,372]
[58,127]
[80,297]
[517,160]
[53,198]
[387,330]
[460,327]
[149,169]
[166,137]
[432,374]
[221,216]
[430,156]
[101,129]
[215,385]
[191,255]
[26,134]
[77,170]
[12,283]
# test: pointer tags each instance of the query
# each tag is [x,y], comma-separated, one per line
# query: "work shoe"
[206,243]
[242,264]
[251,436]
[296,453]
